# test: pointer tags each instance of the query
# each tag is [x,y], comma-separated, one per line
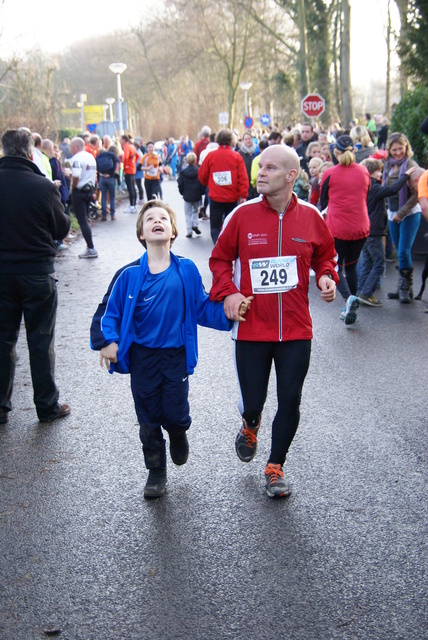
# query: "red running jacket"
[223,172]
[345,189]
[256,231]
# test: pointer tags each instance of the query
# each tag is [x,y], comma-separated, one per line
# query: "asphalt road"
[83,554]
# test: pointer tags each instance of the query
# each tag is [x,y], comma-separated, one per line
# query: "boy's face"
[377,175]
[157,227]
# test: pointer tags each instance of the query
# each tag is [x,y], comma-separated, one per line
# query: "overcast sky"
[54,25]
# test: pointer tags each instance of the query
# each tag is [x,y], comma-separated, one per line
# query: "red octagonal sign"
[313,105]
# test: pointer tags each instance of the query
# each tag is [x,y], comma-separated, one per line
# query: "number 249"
[275,277]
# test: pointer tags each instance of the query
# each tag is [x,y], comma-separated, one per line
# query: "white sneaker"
[133,210]
[128,210]
[89,253]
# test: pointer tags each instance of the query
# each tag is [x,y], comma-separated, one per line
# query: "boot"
[405,294]
[394,295]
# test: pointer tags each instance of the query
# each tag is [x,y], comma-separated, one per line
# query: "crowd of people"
[282,205]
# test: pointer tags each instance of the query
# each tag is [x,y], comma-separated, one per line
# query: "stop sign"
[313,105]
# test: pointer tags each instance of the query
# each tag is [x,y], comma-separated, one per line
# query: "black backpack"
[105,163]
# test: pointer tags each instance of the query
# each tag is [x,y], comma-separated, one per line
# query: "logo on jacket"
[257,238]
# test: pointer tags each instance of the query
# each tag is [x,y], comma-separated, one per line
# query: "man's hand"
[328,288]
[109,354]
[236,306]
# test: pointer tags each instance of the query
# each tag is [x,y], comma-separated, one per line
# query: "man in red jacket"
[223,172]
[266,248]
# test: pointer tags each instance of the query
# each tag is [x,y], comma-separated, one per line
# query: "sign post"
[313,105]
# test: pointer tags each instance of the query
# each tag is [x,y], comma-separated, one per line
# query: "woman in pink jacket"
[344,190]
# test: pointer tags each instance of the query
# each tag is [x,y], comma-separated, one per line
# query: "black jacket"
[31,218]
[376,204]
[188,184]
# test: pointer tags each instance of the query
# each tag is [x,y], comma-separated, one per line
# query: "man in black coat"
[31,219]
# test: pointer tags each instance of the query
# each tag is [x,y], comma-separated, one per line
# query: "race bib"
[222,178]
[274,275]
[152,171]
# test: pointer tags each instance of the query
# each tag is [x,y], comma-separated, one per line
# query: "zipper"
[281,215]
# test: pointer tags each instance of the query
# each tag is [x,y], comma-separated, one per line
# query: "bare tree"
[403,6]
[345,62]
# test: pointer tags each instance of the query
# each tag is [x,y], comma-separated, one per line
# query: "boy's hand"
[109,354]
[243,308]
[232,306]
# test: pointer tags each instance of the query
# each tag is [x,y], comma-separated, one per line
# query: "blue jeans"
[371,265]
[108,185]
[403,235]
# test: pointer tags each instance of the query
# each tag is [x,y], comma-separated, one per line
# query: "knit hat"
[345,143]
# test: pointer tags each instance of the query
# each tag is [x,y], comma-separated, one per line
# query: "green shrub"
[408,116]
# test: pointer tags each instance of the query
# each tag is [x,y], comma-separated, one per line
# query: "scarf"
[403,194]
[249,150]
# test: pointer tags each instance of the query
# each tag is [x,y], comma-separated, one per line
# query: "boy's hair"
[191,158]
[161,205]
[372,165]
[317,161]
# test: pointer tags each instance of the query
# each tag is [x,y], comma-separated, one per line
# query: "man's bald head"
[279,166]
[283,154]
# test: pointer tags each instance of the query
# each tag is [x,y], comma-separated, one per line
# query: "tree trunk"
[388,62]
[403,6]
[345,63]
[302,60]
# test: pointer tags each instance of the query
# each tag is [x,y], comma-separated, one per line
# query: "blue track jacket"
[112,321]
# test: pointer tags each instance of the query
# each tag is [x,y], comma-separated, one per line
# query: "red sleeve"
[243,182]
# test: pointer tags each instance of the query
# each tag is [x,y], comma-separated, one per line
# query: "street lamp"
[246,86]
[118,68]
[81,104]
[110,102]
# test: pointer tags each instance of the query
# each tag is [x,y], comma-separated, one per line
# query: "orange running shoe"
[276,486]
[246,441]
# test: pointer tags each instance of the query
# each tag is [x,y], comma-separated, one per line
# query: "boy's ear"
[141,236]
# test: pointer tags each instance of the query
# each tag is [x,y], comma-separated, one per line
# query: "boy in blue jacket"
[146,325]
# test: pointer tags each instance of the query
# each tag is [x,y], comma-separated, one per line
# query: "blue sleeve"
[98,339]
[208,313]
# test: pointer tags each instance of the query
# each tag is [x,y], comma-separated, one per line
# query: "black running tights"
[254,361]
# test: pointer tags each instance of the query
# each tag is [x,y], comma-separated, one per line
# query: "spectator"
[192,191]
[83,172]
[404,213]
[27,282]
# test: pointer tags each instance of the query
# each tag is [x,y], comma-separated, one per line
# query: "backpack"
[105,163]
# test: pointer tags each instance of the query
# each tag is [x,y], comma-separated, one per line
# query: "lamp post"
[246,86]
[118,68]
[81,104]
[110,102]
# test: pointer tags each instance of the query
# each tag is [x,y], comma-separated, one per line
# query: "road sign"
[265,120]
[313,105]
[223,117]
[248,122]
